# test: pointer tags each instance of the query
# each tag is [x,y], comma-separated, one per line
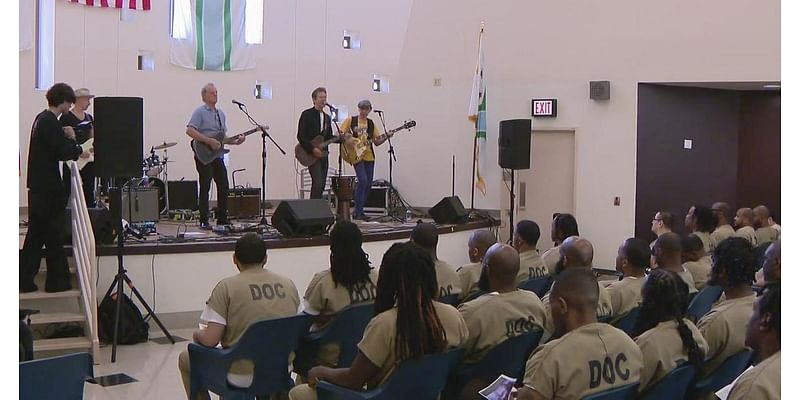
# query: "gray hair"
[364,104]
[205,88]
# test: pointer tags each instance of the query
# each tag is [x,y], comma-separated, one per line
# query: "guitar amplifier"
[244,202]
[138,205]
[377,203]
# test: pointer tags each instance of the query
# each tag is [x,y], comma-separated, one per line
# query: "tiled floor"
[154,365]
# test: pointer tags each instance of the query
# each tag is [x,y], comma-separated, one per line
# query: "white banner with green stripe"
[210,35]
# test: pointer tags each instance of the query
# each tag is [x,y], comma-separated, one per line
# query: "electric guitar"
[87,146]
[355,150]
[305,158]
[206,154]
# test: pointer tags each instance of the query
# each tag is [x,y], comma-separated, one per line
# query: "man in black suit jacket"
[47,198]
[315,122]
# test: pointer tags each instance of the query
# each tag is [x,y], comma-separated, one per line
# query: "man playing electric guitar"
[315,122]
[207,129]
[363,129]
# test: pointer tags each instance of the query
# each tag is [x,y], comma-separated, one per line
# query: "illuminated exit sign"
[543,107]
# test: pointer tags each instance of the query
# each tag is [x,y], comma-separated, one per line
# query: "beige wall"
[533,49]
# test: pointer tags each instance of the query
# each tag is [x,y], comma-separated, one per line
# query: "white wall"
[533,49]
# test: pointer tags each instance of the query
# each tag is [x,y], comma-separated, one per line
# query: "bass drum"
[162,190]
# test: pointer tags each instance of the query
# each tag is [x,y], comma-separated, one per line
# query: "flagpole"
[474,161]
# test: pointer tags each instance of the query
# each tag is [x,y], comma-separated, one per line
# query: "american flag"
[131,4]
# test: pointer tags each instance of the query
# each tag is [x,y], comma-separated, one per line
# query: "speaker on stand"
[514,143]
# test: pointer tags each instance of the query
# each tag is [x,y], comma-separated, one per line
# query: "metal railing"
[84,252]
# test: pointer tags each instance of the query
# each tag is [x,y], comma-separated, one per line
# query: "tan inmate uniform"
[708,243]
[591,359]
[551,258]
[495,317]
[721,233]
[604,307]
[469,275]
[766,234]
[724,328]
[689,279]
[378,344]
[700,271]
[531,265]
[761,382]
[446,276]
[326,298]
[748,233]
[625,295]
[662,350]
[236,302]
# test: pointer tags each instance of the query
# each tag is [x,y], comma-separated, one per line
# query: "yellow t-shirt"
[662,350]
[531,265]
[762,382]
[551,258]
[591,359]
[469,275]
[625,295]
[447,278]
[378,342]
[700,271]
[324,297]
[495,317]
[724,329]
[362,127]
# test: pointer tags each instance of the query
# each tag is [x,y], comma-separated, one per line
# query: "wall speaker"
[449,210]
[119,130]
[302,217]
[599,90]
[515,144]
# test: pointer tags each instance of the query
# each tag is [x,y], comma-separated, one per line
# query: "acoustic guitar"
[206,154]
[305,158]
[355,150]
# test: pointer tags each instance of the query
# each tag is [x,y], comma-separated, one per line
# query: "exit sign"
[543,107]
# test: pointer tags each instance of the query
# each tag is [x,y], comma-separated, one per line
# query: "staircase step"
[51,318]
[62,344]
[44,295]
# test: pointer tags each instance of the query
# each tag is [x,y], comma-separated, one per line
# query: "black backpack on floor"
[132,328]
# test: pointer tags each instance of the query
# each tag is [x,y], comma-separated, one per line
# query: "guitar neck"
[230,139]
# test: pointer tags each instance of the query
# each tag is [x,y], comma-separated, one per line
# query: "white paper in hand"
[499,389]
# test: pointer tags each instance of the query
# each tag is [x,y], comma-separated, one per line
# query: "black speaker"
[302,217]
[449,210]
[102,227]
[183,195]
[118,138]
[515,144]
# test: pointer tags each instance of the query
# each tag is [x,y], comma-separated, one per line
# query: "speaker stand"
[511,211]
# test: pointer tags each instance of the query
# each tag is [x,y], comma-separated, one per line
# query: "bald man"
[577,252]
[426,236]
[764,232]
[668,251]
[526,236]
[505,311]
[744,225]
[724,229]
[587,357]
[469,274]
[770,271]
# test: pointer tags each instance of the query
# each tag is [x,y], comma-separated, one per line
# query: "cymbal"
[164,145]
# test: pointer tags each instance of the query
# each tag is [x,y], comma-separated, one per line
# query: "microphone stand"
[264,136]
[392,160]
[339,132]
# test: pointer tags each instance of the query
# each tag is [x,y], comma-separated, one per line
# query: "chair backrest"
[423,378]
[673,385]
[451,299]
[627,322]
[702,302]
[537,285]
[732,367]
[59,377]
[507,358]
[267,343]
[347,329]
[619,393]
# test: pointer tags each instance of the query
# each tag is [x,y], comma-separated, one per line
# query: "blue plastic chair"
[451,299]
[422,379]
[673,385]
[620,393]
[267,343]
[346,330]
[540,286]
[732,367]
[702,302]
[627,322]
[55,378]
[508,358]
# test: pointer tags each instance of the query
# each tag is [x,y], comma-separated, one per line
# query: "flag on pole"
[130,4]
[210,35]
[477,114]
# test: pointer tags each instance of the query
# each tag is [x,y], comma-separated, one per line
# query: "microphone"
[378,111]
[330,106]
[237,103]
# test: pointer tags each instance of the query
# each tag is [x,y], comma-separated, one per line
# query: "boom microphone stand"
[392,160]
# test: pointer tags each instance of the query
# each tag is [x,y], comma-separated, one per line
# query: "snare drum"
[152,166]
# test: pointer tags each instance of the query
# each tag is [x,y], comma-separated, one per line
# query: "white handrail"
[84,250]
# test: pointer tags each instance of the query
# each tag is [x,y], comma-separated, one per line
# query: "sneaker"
[205,226]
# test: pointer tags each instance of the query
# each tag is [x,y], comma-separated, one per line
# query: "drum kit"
[155,173]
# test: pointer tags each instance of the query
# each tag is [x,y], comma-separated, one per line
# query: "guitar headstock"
[409,124]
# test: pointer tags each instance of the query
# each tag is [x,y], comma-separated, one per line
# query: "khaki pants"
[183,366]
[302,392]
